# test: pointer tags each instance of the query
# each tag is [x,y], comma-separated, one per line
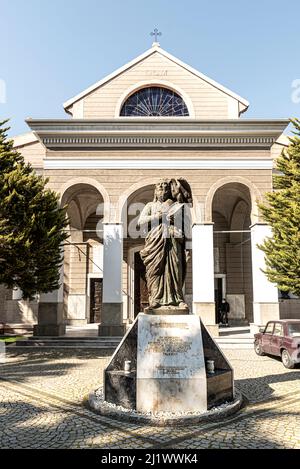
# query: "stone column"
[203,275]
[51,312]
[77,280]
[112,307]
[265,293]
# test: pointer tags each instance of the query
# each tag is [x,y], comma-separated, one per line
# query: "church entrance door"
[96,300]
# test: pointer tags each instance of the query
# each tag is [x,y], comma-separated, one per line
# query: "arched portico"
[222,252]
[83,260]
[231,215]
[226,257]
[71,188]
[245,185]
[81,298]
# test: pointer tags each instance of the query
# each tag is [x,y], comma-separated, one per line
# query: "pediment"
[156,67]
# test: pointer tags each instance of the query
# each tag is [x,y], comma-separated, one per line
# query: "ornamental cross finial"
[156,33]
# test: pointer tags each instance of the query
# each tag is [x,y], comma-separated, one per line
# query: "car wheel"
[257,348]
[286,359]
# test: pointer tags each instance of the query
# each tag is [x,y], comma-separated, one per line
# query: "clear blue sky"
[53,49]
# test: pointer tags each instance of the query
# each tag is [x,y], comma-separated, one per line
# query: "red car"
[282,339]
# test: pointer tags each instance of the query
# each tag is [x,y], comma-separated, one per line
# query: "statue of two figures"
[167,224]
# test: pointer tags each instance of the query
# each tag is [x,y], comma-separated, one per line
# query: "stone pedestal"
[171,372]
[167,311]
[207,313]
[168,356]
[111,317]
[50,320]
[51,312]
[114,330]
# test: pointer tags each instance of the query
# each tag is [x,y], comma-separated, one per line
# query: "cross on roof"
[156,33]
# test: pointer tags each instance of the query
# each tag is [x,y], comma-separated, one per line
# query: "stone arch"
[139,185]
[163,83]
[75,214]
[90,182]
[254,193]
[86,200]
[233,200]
[238,219]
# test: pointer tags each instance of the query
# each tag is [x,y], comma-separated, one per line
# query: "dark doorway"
[96,300]
[141,300]
[218,296]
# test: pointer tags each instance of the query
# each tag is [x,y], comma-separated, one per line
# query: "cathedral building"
[155,117]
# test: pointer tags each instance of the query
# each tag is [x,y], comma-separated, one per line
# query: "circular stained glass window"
[154,101]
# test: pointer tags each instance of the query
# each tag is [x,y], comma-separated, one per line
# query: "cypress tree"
[282,213]
[32,226]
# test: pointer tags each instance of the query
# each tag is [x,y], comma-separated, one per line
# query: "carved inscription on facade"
[156,73]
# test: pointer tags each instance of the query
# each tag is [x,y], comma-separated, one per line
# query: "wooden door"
[96,287]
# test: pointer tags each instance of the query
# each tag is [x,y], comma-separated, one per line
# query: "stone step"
[70,347]
[242,340]
[232,331]
[70,342]
[66,345]
[77,338]
[235,342]
[236,346]
[16,329]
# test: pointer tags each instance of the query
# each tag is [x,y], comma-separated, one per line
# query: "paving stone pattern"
[41,394]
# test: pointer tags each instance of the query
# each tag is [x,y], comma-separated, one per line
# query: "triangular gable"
[243,103]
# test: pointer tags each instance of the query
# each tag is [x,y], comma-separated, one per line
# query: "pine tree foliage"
[32,226]
[282,213]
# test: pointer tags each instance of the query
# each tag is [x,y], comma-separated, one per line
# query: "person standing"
[224,311]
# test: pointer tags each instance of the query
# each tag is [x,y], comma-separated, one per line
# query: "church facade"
[154,118]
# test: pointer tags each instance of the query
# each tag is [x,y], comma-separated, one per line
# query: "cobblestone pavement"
[41,395]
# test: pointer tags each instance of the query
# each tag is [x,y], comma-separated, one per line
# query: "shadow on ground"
[26,425]
[260,388]
[23,365]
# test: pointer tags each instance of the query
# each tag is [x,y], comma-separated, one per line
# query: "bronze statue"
[164,254]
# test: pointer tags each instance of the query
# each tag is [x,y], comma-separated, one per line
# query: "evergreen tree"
[32,226]
[282,213]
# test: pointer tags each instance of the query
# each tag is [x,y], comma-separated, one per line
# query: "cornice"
[135,142]
[156,133]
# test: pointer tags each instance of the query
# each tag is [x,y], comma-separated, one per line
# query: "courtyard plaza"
[42,391]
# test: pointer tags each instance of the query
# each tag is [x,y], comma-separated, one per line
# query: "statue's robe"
[164,255]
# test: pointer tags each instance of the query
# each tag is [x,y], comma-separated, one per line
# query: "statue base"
[168,364]
[167,310]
